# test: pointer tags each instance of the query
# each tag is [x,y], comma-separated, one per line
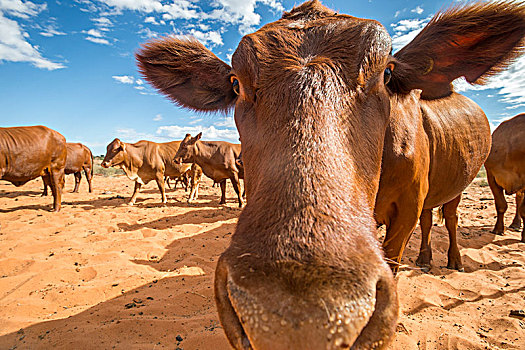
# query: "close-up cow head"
[313,94]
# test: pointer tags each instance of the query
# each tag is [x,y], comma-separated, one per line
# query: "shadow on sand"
[150,316]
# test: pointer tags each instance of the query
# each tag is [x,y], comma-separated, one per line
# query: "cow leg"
[450,213]
[46,180]
[194,191]
[516,223]
[56,177]
[185,182]
[87,172]
[167,180]
[78,178]
[425,251]
[160,183]
[237,187]
[522,214]
[136,191]
[223,192]
[399,230]
[500,202]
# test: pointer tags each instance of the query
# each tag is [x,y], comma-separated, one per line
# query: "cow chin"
[261,310]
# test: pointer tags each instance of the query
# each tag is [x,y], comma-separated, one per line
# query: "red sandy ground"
[102,275]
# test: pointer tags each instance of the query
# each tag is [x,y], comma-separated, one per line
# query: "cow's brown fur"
[28,152]
[145,161]
[79,158]
[217,160]
[321,123]
[506,170]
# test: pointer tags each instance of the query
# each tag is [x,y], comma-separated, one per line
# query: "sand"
[101,274]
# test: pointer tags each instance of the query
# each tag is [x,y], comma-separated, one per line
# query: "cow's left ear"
[187,73]
[474,41]
[198,136]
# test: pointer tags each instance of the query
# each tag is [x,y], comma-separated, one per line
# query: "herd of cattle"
[338,136]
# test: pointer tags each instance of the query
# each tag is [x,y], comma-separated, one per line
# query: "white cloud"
[140,87]
[98,40]
[510,85]
[93,32]
[21,9]
[151,20]
[417,10]
[102,22]
[147,33]
[208,133]
[157,118]
[211,38]
[51,31]
[132,135]
[234,12]
[405,30]
[124,79]
[14,46]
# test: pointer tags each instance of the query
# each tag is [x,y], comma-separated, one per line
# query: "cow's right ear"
[187,73]
[198,136]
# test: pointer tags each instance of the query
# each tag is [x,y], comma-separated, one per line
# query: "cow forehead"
[347,41]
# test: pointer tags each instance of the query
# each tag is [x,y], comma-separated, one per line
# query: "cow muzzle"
[330,311]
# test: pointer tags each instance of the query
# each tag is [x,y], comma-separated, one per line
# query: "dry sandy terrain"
[103,275]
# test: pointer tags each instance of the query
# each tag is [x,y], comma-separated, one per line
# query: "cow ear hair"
[187,73]
[475,41]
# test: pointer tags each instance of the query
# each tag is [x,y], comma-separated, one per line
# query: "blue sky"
[70,65]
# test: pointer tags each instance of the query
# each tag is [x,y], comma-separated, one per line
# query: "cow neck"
[203,152]
[133,159]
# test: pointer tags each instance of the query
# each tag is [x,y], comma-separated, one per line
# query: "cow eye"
[388,73]
[235,85]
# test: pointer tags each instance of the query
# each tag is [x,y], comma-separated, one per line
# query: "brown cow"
[28,152]
[506,170]
[145,161]
[217,160]
[79,158]
[317,99]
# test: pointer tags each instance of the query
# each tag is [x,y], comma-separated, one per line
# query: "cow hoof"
[515,227]
[497,232]
[455,267]
[131,204]
[425,267]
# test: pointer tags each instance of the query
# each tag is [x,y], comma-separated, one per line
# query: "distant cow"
[31,151]
[145,161]
[217,160]
[195,180]
[506,170]
[183,179]
[79,158]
